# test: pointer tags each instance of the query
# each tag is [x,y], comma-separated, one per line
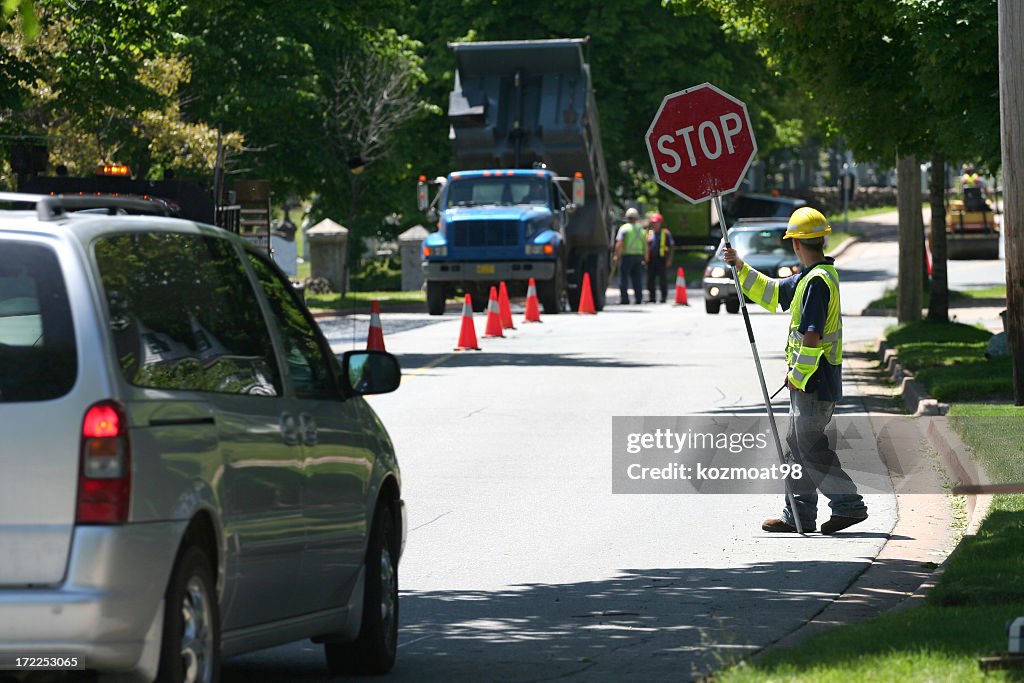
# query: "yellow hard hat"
[806,224]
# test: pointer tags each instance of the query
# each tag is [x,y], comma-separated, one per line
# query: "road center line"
[434,363]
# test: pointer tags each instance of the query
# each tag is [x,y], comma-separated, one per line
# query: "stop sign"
[701,142]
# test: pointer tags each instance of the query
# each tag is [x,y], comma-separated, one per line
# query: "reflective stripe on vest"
[761,289]
[832,337]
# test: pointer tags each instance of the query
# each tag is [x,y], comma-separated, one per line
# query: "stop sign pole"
[701,144]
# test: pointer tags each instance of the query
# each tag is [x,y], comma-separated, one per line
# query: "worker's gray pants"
[821,470]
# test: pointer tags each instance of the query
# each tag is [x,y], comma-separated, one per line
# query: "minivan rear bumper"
[107,603]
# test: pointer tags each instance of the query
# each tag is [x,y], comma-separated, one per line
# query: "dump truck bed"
[516,103]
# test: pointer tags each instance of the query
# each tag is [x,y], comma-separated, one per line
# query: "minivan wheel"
[732,306]
[712,306]
[190,651]
[373,652]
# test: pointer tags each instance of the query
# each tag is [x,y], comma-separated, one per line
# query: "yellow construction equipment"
[971,228]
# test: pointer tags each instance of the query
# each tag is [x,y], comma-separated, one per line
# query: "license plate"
[485,269]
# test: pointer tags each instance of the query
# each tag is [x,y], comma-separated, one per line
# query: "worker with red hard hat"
[660,249]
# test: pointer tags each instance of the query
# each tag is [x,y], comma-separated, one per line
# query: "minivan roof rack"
[50,208]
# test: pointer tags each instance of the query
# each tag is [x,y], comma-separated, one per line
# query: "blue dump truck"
[531,199]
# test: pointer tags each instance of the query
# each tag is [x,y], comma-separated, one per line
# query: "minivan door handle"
[289,429]
[307,425]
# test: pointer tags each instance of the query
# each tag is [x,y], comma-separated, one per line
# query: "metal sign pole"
[757,362]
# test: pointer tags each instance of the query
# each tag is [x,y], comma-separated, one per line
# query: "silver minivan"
[186,470]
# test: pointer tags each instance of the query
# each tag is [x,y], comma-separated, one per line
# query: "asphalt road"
[522,565]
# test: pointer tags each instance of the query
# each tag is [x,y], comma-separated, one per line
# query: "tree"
[1011,105]
[102,85]
[938,307]
[371,92]
[638,53]
[955,47]
[271,72]
[905,77]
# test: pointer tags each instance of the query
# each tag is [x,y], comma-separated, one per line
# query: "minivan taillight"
[104,480]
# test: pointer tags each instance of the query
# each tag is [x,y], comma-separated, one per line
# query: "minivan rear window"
[38,356]
[184,315]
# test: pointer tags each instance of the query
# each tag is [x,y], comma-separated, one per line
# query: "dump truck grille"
[484,233]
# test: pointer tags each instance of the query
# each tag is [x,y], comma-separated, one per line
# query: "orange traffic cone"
[681,298]
[467,335]
[493,328]
[375,340]
[505,307]
[928,260]
[532,305]
[586,297]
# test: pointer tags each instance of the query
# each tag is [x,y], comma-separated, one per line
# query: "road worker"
[970,178]
[630,247]
[659,258]
[814,353]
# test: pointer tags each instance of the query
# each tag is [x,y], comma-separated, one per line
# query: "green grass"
[924,644]
[997,292]
[963,616]
[949,360]
[837,237]
[888,299]
[836,219]
[989,567]
[387,300]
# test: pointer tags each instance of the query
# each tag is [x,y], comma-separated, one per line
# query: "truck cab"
[497,226]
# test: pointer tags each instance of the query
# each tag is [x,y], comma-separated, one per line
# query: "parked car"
[760,243]
[188,470]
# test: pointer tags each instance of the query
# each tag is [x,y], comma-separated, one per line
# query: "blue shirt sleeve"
[815,307]
[787,288]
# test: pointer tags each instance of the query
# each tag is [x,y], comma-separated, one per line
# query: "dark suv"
[188,470]
[760,206]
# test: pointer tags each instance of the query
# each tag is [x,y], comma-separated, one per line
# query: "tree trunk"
[910,283]
[1011,110]
[938,309]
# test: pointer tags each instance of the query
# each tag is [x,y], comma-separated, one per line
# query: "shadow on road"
[848,275]
[651,623]
[474,359]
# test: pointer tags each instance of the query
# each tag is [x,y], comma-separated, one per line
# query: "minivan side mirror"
[370,372]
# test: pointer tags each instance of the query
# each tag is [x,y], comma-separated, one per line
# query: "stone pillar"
[410,248]
[328,253]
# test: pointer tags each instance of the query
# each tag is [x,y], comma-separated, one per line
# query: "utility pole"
[1011,115]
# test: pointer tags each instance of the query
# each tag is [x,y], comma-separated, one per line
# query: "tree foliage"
[99,82]
[638,53]
[905,76]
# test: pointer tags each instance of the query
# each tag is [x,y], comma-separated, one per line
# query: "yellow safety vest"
[634,242]
[802,360]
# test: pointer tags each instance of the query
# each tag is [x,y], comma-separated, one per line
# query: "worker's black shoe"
[839,522]
[782,526]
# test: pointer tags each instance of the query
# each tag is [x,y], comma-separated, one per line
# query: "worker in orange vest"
[660,249]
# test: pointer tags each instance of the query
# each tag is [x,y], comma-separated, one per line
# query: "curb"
[881,588]
[841,249]
[320,313]
[915,398]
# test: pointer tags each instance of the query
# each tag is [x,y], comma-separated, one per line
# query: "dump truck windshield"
[502,191]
